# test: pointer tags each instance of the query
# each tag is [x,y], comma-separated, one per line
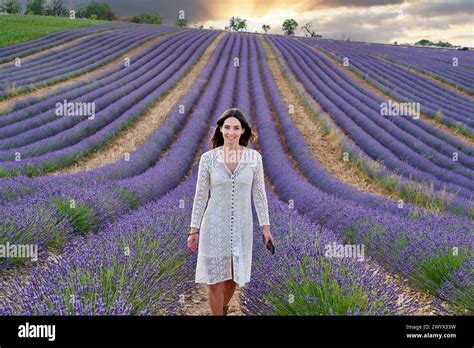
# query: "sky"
[385,21]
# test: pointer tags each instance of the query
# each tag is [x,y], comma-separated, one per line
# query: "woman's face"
[232,130]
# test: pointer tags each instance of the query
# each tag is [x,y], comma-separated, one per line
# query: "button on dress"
[225,220]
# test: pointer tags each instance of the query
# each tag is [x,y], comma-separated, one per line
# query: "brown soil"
[196,302]
[324,147]
[56,48]
[453,132]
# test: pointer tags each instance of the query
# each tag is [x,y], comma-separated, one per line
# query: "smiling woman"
[232,172]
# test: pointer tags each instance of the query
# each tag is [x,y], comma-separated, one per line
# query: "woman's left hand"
[268,236]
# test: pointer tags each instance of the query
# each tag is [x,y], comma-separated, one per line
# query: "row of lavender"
[27,108]
[46,142]
[432,251]
[109,191]
[75,59]
[436,101]
[54,39]
[380,138]
[136,266]
[408,190]
[318,176]
[452,66]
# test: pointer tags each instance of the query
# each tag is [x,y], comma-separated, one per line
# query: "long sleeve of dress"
[202,193]
[259,194]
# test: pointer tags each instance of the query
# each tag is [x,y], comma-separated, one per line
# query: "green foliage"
[438,269]
[289,26]
[265,27]
[80,217]
[322,297]
[3,173]
[425,42]
[237,23]
[57,9]
[147,18]
[100,9]
[19,28]
[36,7]
[31,171]
[181,23]
[10,6]
[129,197]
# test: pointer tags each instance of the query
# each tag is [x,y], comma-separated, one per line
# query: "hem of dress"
[206,283]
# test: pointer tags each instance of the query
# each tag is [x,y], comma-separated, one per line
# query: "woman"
[233,172]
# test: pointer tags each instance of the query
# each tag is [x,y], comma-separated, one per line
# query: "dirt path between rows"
[454,133]
[324,147]
[130,139]
[196,302]
[55,48]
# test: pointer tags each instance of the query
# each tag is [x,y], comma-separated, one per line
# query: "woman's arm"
[259,194]
[202,194]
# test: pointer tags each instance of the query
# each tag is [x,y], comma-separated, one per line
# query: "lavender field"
[102,128]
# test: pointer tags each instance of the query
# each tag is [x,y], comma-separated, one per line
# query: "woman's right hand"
[193,240]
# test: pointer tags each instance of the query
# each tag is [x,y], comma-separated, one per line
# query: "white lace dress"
[226,229]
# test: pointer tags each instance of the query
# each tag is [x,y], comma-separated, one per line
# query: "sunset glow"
[407,21]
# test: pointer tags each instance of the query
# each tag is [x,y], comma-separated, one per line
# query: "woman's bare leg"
[216,298]
[220,294]
[229,289]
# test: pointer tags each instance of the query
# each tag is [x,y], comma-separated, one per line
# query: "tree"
[147,18]
[289,26]
[182,23]
[35,7]
[100,9]
[425,42]
[308,30]
[57,8]
[265,28]
[236,23]
[11,6]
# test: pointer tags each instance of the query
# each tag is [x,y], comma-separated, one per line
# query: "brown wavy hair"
[246,137]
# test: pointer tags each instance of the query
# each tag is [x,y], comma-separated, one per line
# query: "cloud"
[318,4]
[362,26]
[362,20]
[430,9]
